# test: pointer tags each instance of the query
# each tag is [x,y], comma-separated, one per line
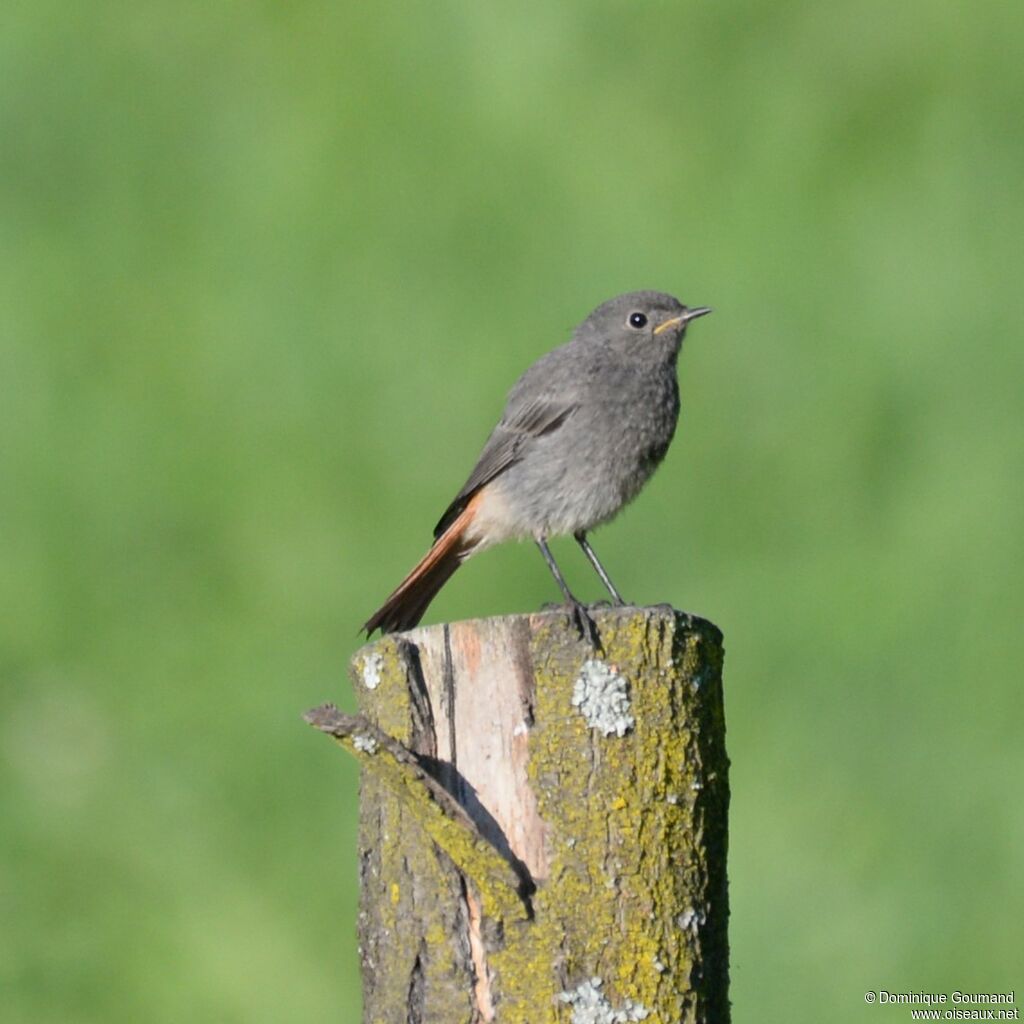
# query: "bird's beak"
[683,319]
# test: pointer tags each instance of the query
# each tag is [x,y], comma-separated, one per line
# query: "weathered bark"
[543,828]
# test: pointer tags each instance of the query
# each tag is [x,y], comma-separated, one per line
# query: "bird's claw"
[584,624]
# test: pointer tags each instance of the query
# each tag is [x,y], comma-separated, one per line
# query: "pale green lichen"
[373,661]
[602,696]
[364,744]
[590,1006]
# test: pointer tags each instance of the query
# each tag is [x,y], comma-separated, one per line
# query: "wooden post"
[543,828]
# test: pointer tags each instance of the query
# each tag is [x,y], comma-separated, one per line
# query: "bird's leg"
[581,539]
[583,622]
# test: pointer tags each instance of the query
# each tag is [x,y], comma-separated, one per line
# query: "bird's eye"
[637,320]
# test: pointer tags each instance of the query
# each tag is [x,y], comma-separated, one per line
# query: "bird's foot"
[584,624]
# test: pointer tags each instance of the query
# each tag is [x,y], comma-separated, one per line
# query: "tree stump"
[543,827]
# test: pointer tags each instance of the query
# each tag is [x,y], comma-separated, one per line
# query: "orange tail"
[406,606]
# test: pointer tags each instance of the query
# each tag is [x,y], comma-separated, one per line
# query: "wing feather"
[518,427]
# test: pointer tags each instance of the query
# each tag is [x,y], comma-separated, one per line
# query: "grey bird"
[583,430]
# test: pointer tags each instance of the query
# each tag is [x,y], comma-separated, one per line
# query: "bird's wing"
[520,425]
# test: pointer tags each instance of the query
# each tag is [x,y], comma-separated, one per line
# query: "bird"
[583,430]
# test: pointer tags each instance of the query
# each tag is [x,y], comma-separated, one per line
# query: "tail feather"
[410,599]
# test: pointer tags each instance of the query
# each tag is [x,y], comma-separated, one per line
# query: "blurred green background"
[267,272]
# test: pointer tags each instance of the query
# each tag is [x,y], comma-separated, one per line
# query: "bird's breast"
[599,459]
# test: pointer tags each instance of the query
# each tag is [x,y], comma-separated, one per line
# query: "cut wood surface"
[542,826]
